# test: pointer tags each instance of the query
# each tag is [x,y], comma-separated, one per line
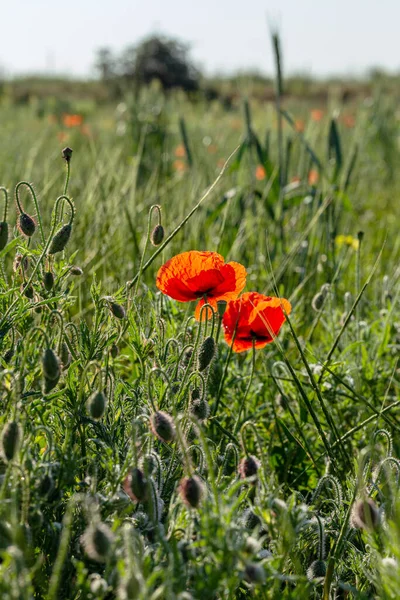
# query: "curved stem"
[4,190]
[153,208]
[36,203]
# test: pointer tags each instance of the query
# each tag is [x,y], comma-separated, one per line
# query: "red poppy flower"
[254,317]
[201,275]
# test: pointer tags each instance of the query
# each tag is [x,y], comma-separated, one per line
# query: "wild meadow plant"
[241,447]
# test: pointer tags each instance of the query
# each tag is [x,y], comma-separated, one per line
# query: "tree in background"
[157,57]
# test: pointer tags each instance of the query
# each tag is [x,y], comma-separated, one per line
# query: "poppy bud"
[8,355]
[191,491]
[51,365]
[250,520]
[248,467]
[117,310]
[75,270]
[97,541]
[221,305]
[162,426]
[199,407]
[49,384]
[10,440]
[206,353]
[3,234]
[316,570]
[48,280]
[60,239]
[254,573]
[66,154]
[186,357]
[46,485]
[27,291]
[96,405]
[136,485]
[26,224]
[65,355]
[157,235]
[114,351]
[365,514]
[20,262]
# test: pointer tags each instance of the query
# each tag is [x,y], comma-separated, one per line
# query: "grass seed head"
[162,426]
[97,541]
[136,485]
[365,514]
[206,353]
[60,239]
[51,365]
[191,490]
[26,224]
[157,235]
[317,570]
[248,467]
[10,440]
[96,405]
[3,234]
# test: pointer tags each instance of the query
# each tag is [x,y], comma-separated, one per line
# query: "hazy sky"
[318,36]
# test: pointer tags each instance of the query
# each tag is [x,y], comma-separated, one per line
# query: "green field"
[103,497]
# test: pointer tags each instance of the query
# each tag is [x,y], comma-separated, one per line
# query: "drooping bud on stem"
[162,426]
[206,353]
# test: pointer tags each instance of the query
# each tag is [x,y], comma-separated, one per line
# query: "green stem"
[253,364]
[36,203]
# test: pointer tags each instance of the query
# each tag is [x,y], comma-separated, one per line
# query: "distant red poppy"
[180,151]
[299,125]
[72,120]
[317,114]
[313,177]
[253,317]
[201,276]
[179,165]
[260,173]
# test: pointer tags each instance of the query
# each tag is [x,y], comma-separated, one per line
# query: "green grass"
[321,411]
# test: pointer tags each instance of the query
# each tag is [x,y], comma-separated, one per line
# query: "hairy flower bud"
[365,514]
[48,280]
[157,235]
[60,239]
[96,405]
[136,485]
[97,541]
[10,440]
[162,426]
[248,467]
[26,224]
[191,490]
[117,310]
[65,355]
[317,570]
[206,353]
[3,234]
[51,365]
